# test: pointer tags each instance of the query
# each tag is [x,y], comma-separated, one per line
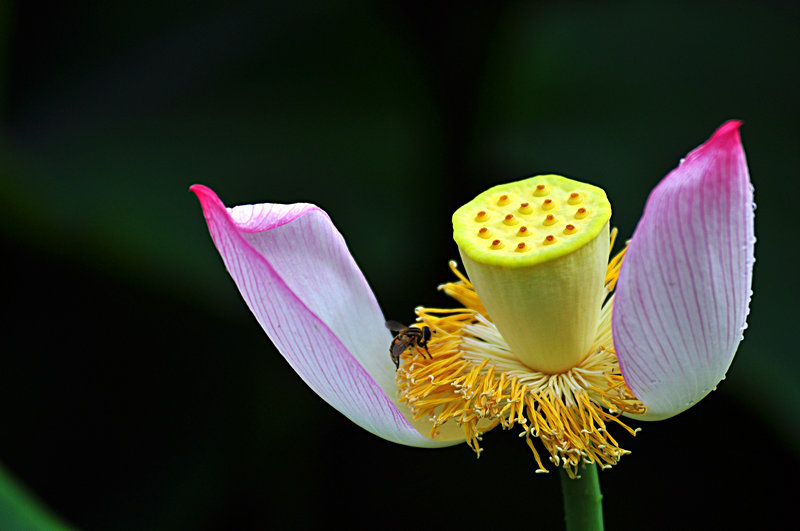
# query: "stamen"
[473,380]
[612,271]
[462,291]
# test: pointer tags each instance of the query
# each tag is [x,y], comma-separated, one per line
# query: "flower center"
[550,215]
[473,379]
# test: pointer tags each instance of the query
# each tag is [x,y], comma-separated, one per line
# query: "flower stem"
[583,508]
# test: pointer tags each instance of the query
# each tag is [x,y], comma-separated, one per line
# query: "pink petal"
[684,288]
[294,271]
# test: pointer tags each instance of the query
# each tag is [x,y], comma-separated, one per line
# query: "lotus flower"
[540,340]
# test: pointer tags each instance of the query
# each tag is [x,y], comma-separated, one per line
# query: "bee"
[408,336]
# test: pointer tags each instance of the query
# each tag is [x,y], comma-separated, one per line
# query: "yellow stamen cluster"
[472,377]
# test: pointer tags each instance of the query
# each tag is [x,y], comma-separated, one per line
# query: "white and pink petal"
[684,288]
[296,275]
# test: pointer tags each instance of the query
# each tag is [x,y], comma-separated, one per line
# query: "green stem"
[583,507]
[19,509]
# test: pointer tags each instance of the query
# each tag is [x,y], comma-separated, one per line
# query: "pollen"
[545,205]
[473,380]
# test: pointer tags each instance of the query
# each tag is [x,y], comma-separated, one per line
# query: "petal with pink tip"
[294,271]
[684,288]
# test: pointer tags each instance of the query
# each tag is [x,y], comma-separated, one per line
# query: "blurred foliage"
[19,509]
[138,391]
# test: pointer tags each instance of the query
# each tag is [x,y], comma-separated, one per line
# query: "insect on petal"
[296,275]
[684,289]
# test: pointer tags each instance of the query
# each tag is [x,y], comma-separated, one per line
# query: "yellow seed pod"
[486,211]
[546,300]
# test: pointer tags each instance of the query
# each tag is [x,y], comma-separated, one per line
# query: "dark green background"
[137,391]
